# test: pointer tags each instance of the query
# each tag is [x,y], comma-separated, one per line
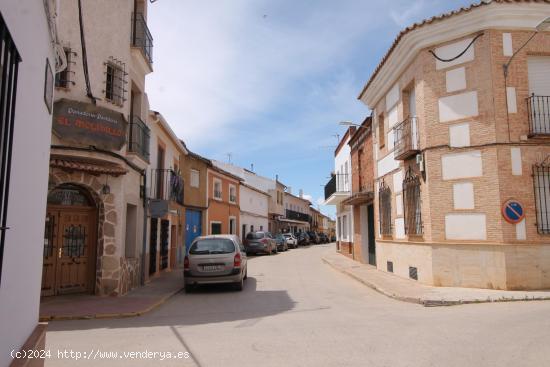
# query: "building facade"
[337,190]
[165,190]
[94,238]
[461,158]
[223,214]
[254,205]
[297,214]
[28,68]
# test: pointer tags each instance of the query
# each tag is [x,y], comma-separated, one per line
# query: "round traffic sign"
[512,211]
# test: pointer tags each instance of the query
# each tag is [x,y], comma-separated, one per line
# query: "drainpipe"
[144,242]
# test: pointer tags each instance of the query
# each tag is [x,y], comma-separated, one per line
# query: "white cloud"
[308,197]
[404,15]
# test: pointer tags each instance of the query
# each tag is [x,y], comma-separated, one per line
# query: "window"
[384,203]
[63,78]
[232,225]
[217,189]
[232,194]
[115,80]
[411,203]
[381,133]
[9,65]
[194,178]
[345,227]
[541,178]
[215,228]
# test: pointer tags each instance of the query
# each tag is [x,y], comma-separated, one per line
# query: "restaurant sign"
[86,124]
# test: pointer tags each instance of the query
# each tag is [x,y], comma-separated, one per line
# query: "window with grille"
[115,81]
[384,203]
[411,203]
[541,178]
[63,78]
[232,194]
[217,189]
[9,64]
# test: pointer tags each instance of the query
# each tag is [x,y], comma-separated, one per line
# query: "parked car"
[260,243]
[215,259]
[303,239]
[314,237]
[324,238]
[291,240]
[281,242]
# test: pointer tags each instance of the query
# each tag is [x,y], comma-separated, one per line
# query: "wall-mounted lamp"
[106,189]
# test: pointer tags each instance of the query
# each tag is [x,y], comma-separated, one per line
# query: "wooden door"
[69,251]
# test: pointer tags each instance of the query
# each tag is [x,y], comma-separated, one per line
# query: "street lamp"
[542,26]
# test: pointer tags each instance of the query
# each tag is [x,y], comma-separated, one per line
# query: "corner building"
[456,141]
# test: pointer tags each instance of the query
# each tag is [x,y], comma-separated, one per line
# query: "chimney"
[289,190]
[301,194]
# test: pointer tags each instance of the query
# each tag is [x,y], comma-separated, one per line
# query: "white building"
[26,37]
[254,204]
[338,189]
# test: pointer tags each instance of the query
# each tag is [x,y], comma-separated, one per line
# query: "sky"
[265,83]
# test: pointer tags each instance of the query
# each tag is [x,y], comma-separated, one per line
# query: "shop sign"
[85,124]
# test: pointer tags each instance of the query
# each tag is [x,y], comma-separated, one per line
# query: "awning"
[292,221]
[91,166]
[359,198]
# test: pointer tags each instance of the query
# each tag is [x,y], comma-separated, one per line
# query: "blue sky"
[268,81]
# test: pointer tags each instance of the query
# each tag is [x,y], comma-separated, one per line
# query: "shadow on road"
[207,304]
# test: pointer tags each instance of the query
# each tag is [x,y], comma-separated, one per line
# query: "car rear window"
[255,235]
[212,246]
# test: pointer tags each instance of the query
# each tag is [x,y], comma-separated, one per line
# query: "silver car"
[291,240]
[213,260]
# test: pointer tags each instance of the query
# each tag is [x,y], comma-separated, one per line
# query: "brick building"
[456,138]
[223,211]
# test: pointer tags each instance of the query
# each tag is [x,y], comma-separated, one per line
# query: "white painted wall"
[386,165]
[461,165]
[341,160]
[451,50]
[254,208]
[458,106]
[465,227]
[22,264]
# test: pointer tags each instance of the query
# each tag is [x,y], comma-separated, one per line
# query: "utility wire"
[84,54]
[460,54]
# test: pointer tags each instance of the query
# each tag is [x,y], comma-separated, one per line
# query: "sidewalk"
[411,291]
[136,302]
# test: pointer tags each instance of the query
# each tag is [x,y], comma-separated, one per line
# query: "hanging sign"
[85,124]
[512,211]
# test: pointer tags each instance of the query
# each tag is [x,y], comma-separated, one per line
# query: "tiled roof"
[85,165]
[435,19]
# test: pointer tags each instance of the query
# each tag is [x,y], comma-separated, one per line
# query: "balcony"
[166,185]
[138,138]
[302,217]
[337,189]
[538,109]
[141,37]
[364,195]
[406,138]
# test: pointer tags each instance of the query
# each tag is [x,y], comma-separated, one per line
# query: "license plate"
[210,268]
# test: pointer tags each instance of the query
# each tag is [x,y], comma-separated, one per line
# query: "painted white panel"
[521,230]
[458,106]
[507,49]
[387,164]
[399,204]
[455,79]
[400,228]
[515,152]
[463,195]
[539,75]
[392,117]
[465,227]
[452,50]
[398,181]
[392,97]
[461,165]
[459,135]
[511,97]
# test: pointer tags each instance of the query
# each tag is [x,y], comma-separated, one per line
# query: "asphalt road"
[297,311]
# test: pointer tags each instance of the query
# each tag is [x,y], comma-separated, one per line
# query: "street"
[297,311]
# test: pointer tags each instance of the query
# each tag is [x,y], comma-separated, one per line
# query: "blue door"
[193,226]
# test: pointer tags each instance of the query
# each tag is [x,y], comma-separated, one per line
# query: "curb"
[120,315]
[428,302]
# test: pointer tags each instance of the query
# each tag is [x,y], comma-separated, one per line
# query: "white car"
[291,241]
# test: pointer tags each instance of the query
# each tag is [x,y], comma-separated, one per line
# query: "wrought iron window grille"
[384,204]
[115,81]
[541,182]
[412,203]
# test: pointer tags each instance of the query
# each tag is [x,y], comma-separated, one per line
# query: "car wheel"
[239,285]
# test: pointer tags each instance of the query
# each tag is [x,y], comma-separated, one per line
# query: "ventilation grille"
[413,273]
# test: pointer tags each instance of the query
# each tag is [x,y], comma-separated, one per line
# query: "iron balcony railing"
[339,182]
[166,184]
[406,138]
[141,37]
[291,214]
[138,138]
[538,109]
[364,187]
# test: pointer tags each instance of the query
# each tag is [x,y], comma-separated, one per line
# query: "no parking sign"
[512,211]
